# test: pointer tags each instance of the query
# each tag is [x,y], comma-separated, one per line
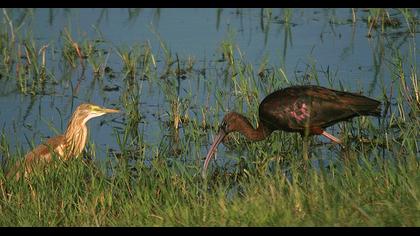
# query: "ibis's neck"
[245,127]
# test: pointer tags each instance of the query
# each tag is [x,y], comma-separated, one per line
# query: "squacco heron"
[65,146]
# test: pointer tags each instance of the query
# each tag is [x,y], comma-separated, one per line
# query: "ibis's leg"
[331,137]
[336,140]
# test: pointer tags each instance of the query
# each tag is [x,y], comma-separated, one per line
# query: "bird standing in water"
[307,110]
[65,146]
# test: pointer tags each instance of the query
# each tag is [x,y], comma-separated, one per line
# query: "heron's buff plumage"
[66,146]
[75,136]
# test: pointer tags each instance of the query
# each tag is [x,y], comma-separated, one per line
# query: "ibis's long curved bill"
[217,140]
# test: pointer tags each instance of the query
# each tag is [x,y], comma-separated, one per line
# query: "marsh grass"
[362,192]
[374,182]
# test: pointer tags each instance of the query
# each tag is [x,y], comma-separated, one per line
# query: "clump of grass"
[148,62]
[98,58]
[31,67]
[72,50]
[380,18]
[85,51]
[131,59]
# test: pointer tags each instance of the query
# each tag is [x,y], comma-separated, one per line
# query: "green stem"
[305,148]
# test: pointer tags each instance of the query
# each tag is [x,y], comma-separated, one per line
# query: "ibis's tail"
[361,104]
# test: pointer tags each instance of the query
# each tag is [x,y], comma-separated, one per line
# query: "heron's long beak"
[217,140]
[106,110]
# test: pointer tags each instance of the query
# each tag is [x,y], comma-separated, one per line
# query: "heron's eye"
[95,108]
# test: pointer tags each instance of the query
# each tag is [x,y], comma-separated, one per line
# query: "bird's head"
[231,122]
[87,111]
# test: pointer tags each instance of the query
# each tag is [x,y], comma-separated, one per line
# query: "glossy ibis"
[307,110]
[68,145]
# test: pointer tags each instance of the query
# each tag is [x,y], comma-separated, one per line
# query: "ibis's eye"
[223,126]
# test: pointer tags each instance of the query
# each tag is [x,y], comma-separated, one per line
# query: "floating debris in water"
[110,89]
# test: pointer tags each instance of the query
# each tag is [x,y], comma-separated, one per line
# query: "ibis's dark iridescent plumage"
[307,110]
